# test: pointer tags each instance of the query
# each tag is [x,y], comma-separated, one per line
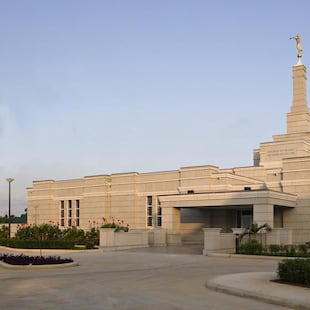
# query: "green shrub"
[4,231]
[92,238]
[89,244]
[286,250]
[119,225]
[108,225]
[40,232]
[251,247]
[295,271]
[74,234]
[303,249]
[49,236]
[274,249]
[37,244]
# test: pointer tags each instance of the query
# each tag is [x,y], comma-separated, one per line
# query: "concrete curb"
[38,251]
[258,285]
[263,257]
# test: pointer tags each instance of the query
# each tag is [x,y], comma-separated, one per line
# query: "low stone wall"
[134,238]
[217,242]
[280,236]
[158,237]
[275,236]
[174,238]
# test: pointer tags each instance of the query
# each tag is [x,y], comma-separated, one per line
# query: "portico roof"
[232,198]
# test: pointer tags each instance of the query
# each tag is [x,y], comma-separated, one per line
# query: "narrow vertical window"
[62,213]
[70,213]
[158,216]
[149,200]
[149,211]
[77,213]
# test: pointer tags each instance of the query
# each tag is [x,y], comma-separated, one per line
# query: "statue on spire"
[299,49]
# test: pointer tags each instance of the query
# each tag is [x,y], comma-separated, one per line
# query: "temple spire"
[298,119]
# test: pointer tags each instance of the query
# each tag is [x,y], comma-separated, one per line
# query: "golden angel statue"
[299,49]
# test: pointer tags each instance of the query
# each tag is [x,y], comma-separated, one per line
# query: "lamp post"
[10,180]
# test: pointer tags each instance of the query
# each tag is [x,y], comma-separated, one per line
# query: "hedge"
[295,271]
[251,247]
[49,236]
[35,244]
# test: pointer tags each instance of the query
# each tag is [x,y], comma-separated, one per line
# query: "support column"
[263,214]
[171,219]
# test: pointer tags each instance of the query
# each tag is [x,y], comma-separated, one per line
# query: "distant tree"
[5,219]
[4,232]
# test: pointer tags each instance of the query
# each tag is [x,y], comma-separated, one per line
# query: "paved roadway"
[143,279]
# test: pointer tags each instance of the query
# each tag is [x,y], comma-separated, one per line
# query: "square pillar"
[171,218]
[263,214]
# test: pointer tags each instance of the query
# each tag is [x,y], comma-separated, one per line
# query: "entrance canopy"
[262,203]
[238,198]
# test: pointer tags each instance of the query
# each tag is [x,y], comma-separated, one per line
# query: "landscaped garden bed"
[253,247]
[25,260]
[49,236]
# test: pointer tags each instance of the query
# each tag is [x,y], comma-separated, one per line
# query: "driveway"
[143,279]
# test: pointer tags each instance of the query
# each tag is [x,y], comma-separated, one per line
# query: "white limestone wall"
[217,242]
[111,240]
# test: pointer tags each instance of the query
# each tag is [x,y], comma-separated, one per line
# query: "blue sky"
[101,87]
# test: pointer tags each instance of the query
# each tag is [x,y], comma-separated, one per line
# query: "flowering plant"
[119,225]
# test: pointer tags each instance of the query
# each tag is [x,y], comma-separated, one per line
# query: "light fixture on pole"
[10,180]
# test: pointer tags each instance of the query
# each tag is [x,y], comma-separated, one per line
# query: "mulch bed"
[290,283]
[33,260]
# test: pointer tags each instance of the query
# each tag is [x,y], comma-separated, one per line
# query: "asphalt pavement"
[166,279]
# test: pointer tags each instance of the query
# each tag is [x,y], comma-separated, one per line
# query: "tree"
[4,232]
[254,229]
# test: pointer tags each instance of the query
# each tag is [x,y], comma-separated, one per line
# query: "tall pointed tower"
[298,119]
[296,142]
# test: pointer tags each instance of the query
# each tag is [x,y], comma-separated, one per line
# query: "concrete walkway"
[259,285]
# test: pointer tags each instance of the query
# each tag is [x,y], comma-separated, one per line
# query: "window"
[158,216]
[244,218]
[149,216]
[70,213]
[149,200]
[77,213]
[149,211]
[62,213]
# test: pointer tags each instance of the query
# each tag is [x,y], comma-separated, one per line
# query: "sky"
[102,87]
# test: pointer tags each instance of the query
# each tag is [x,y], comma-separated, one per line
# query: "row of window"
[69,213]
[153,213]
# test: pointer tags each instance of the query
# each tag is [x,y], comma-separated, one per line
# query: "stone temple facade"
[275,190]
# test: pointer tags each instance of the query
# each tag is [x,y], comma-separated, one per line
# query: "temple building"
[275,190]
